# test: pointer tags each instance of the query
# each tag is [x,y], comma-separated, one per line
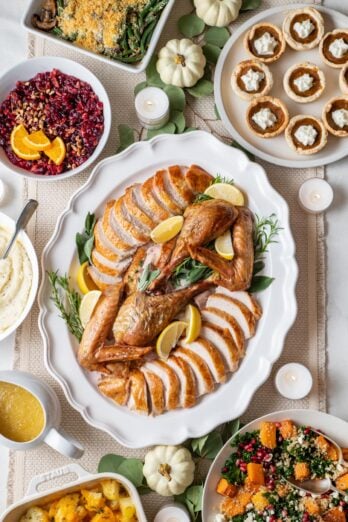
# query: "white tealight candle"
[172,513]
[294,381]
[152,107]
[315,195]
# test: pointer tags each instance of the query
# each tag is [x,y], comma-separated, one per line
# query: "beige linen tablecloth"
[306,341]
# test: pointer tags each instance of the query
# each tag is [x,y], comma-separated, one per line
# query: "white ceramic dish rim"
[34,497]
[319,420]
[195,426]
[8,222]
[13,74]
[310,162]
[138,68]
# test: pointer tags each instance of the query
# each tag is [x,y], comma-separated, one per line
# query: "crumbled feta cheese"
[304,82]
[220,518]
[265,45]
[304,29]
[265,118]
[306,134]
[252,80]
[340,117]
[338,48]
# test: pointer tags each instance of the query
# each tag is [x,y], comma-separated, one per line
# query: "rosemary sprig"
[148,275]
[265,231]
[218,179]
[68,301]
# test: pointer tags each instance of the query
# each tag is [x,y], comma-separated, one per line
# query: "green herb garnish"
[265,232]
[188,272]
[85,241]
[68,301]
[148,275]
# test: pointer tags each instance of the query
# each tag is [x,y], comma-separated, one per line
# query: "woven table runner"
[306,340]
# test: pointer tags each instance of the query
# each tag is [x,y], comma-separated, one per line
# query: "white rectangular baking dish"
[34,7]
[85,479]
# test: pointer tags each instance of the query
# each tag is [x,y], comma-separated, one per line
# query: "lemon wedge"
[84,281]
[226,192]
[223,245]
[194,322]
[167,229]
[168,339]
[88,304]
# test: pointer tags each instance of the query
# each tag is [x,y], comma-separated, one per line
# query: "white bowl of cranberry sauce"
[64,100]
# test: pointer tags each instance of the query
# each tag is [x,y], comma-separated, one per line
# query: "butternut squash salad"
[255,478]
[109,501]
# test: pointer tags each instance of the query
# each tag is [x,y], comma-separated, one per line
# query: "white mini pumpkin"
[181,63]
[169,470]
[218,13]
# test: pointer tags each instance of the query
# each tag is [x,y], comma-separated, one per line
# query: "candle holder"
[172,512]
[315,195]
[152,107]
[294,381]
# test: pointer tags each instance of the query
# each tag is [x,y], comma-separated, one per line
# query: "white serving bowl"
[9,223]
[28,69]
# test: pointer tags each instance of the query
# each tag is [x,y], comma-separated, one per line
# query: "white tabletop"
[13,50]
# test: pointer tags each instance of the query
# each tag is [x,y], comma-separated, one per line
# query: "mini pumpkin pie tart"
[334,48]
[306,134]
[304,82]
[265,42]
[343,80]
[251,79]
[267,117]
[335,116]
[303,28]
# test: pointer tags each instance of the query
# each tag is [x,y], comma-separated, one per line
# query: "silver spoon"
[318,487]
[21,223]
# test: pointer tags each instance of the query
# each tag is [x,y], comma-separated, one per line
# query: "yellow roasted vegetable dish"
[108,501]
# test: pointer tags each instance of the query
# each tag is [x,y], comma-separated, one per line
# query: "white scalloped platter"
[109,179]
[232,109]
[332,426]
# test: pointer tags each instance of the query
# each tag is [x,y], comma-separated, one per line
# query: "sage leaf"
[169,128]
[211,52]
[190,25]
[216,112]
[260,283]
[202,88]
[178,119]
[258,267]
[176,97]
[110,463]
[126,136]
[153,79]
[85,241]
[139,87]
[88,247]
[132,469]
[249,5]
[217,36]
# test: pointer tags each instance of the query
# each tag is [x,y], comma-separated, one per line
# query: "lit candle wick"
[149,103]
[291,377]
[315,196]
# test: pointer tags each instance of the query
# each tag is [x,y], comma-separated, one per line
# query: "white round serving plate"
[232,109]
[109,180]
[28,69]
[9,223]
[332,426]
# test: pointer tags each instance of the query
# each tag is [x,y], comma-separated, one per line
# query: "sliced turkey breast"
[111,230]
[156,392]
[197,179]
[244,297]
[223,342]
[236,309]
[186,379]
[132,208]
[138,400]
[103,281]
[105,247]
[156,210]
[106,266]
[163,194]
[170,382]
[129,232]
[211,355]
[116,388]
[177,187]
[224,320]
[204,379]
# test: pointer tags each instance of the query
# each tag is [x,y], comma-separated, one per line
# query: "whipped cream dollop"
[264,118]
[304,82]
[266,44]
[340,117]
[338,48]
[306,134]
[252,80]
[304,29]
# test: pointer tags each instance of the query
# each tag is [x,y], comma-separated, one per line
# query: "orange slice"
[19,148]
[37,141]
[57,151]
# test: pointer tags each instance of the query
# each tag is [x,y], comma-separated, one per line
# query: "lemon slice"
[194,322]
[226,192]
[168,229]
[87,306]
[37,141]
[84,281]
[168,339]
[223,245]
[56,152]
[19,148]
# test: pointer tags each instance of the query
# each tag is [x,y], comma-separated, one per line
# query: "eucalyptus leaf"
[217,112]
[202,88]
[126,136]
[190,25]
[176,97]
[144,490]
[194,496]
[260,283]
[169,128]
[217,36]
[132,469]
[190,129]
[213,445]
[230,429]
[110,463]
[211,52]
[249,5]
[139,87]
[178,119]
[152,77]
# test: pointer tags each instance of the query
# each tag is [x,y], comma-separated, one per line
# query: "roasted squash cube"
[268,435]
[332,453]
[232,507]
[322,444]
[104,515]
[255,473]
[222,486]
[342,482]
[334,515]
[287,429]
[260,501]
[302,471]
[94,499]
[311,506]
